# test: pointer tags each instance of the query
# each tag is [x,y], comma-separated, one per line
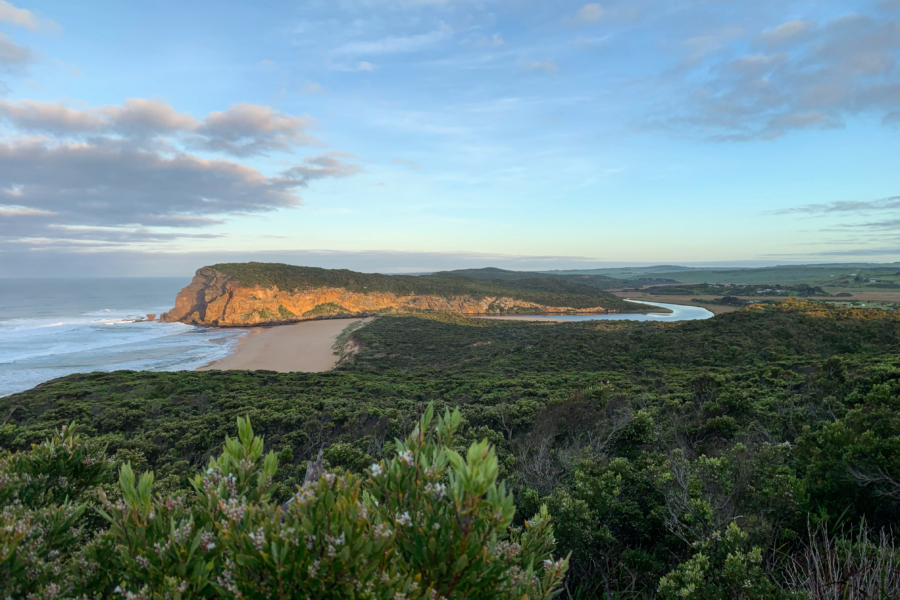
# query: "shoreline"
[305,347]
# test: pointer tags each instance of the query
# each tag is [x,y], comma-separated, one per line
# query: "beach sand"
[305,347]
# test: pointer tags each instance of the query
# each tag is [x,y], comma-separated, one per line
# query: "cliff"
[257,293]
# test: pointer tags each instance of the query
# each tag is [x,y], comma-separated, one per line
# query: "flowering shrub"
[426,524]
[40,523]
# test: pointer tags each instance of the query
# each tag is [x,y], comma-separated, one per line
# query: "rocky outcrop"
[213,298]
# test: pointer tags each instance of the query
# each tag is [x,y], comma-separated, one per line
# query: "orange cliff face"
[213,298]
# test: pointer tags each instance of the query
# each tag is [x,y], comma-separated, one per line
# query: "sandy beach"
[305,347]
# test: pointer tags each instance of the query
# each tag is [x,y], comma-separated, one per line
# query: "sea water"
[55,327]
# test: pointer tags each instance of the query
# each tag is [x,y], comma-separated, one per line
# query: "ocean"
[55,327]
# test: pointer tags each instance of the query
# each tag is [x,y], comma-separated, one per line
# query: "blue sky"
[410,135]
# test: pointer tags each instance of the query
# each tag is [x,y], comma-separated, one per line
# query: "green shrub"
[426,523]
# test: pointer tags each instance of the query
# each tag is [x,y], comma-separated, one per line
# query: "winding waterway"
[679,313]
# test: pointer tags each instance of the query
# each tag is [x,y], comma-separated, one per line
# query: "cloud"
[242,130]
[701,46]
[590,13]
[52,188]
[852,206]
[23,211]
[250,129]
[18,16]
[395,44]
[50,117]
[311,87]
[14,58]
[320,167]
[889,225]
[116,174]
[495,41]
[268,65]
[409,163]
[546,66]
[114,184]
[801,76]
[789,32]
[365,66]
[140,118]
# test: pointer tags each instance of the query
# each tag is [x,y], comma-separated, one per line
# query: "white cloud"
[18,16]
[415,166]
[9,13]
[788,32]
[495,41]
[545,66]
[320,167]
[13,57]
[242,130]
[7,210]
[311,87]
[394,44]
[365,66]
[267,65]
[590,13]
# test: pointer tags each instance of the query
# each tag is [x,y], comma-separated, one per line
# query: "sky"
[152,138]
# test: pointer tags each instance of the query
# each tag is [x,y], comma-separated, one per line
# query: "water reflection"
[679,313]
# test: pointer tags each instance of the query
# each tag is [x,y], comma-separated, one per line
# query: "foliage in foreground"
[426,523]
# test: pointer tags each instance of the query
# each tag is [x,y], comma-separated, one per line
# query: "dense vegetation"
[597,281]
[753,455]
[791,330]
[801,290]
[426,523]
[545,290]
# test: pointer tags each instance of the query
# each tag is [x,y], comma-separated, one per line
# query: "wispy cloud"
[311,87]
[542,66]
[846,206]
[409,163]
[801,75]
[393,44]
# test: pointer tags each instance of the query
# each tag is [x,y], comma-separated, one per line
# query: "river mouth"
[678,312]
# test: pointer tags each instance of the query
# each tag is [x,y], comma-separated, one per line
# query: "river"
[679,313]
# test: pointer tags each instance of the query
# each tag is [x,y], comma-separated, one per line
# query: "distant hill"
[815,274]
[238,294]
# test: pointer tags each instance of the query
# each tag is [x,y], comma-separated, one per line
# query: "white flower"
[438,489]
[404,519]
[376,469]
